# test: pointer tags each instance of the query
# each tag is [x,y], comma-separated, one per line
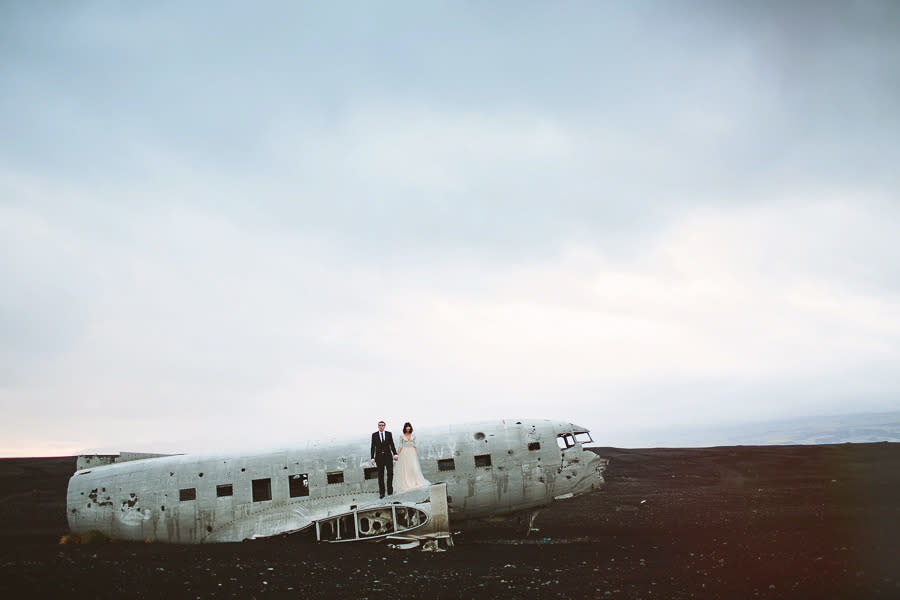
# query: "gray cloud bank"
[245,225]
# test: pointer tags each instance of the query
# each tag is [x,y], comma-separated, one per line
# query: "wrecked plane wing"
[413,516]
[480,469]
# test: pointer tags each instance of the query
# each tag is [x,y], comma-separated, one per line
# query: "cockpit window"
[583,437]
[565,440]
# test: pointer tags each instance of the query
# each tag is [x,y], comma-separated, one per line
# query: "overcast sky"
[235,224]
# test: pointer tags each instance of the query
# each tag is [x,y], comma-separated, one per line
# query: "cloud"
[625,215]
[197,329]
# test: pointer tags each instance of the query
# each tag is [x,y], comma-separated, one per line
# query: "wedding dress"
[408,474]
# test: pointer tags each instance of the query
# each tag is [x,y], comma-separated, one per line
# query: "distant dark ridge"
[37,458]
[811,430]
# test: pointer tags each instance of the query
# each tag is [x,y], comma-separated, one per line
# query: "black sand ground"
[735,522]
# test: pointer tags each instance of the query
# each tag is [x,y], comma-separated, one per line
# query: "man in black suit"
[383,451]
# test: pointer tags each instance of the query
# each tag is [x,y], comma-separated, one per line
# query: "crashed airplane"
[330,490]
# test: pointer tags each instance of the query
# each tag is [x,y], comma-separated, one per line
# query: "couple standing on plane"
[384,453]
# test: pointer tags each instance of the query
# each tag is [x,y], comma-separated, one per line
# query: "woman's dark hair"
[407,424]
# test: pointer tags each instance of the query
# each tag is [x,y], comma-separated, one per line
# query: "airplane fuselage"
[490,469]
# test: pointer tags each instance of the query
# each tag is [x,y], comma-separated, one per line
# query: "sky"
[236,224]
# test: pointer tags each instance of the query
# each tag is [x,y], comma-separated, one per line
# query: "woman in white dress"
[408,474]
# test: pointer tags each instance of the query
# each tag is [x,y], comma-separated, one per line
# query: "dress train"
[408,473]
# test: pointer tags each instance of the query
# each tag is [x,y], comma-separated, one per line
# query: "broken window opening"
[370,472]
[262,490]
[298,485]
[565,440]
[583,437]
[336,477]
[534,445]
[187,494]
[226,489]
[446,464]
[482,460]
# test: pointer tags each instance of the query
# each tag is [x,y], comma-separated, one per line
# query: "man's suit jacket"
[385,450]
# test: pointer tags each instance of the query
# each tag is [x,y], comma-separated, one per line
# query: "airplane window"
[534,445]
[583,437]
[187,494]
[225,489]
[371,472]
[336,477]
[446,464]
[262,490]
[565,440]
[298,485]
[482,460]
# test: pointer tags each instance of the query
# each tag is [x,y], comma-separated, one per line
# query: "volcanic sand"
[727,522]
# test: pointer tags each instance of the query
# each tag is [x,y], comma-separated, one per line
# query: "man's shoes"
[381,496]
